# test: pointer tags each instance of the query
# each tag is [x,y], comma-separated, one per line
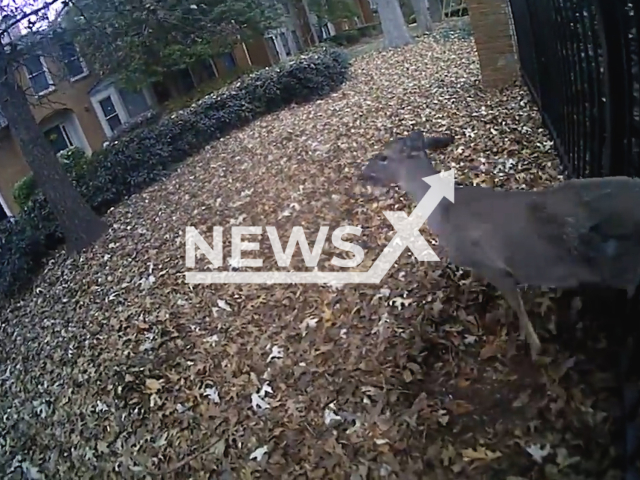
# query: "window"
[326,31]
[116,107]
[38,75]
[59,137]
[285,43]
[110,113]
[184,80]
[273,51]
[209,69]
[296,40]
[134,102]
[73,63]
[229,61]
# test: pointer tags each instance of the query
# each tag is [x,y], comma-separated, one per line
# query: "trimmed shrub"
[74,162]
[345,38]
[142,156]
[370,30]
[142,121]
[207,88]
[24,190]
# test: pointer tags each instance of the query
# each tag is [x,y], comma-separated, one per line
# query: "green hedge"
[74,162]
[207,88]
[143,156]
[343,39]
[354,35]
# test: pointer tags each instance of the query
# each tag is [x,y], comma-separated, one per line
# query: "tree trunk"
[423,16]
[435,7]
[393,25]
[79,223]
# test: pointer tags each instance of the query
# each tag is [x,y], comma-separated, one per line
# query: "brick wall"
[493,33]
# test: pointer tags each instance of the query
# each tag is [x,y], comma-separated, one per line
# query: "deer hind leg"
[526,327]
[509,289]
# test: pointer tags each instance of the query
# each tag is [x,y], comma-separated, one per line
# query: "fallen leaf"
[224,305]
[258,403]
[212,394]
[400,302]
[258,453]
[489,350]
[458,407]
[480,453]
[151,386]
[538,453]
[448,454]
[563,459]
[331,417]
[276,352]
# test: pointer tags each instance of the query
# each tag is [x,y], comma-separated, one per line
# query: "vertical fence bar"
[571,140]
[634,61]
[585,87]
[613,44]
[526,47]
[596,108]
[564,132]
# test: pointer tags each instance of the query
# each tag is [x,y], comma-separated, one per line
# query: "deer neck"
[417,188]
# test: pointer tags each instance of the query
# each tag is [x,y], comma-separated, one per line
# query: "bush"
[207,88]
[142,156]
[347,37]
[142,121]
[370,30]
[74,162]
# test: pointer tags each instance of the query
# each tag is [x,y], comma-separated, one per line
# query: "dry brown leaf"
[151,385]
[458,407]
[490,350]
[480,453]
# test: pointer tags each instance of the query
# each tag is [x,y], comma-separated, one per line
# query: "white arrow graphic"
[408,235]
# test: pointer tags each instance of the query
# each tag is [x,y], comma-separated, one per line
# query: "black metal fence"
[579,59]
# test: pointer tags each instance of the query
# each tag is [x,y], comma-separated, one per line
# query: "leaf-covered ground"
[114,367]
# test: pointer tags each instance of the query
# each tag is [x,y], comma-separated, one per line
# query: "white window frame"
[121,110]
[5,206]
[287,35]
[45,69]
[332,30]
[117,103]
[292,41]
[276,43]
[246,52]
[82,62]
[73,129]
[193,78]
[275,35]
[213,65]
[65,133]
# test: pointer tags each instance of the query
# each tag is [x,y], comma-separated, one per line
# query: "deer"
[580,232]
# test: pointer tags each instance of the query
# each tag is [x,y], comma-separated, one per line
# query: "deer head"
[404,162]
